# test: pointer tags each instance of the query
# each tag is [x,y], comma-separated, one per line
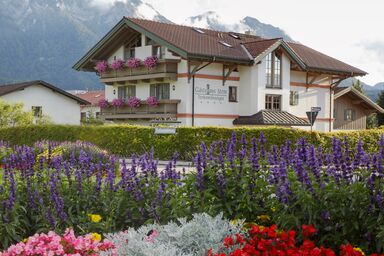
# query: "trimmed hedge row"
[126,140]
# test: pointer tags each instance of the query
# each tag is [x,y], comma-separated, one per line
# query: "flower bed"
[340,191]
[66,245]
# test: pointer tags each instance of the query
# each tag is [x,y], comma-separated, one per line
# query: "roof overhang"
[291,53]
[24,85]
[361,96]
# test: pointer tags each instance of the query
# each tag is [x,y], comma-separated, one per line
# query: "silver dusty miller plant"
[181,238]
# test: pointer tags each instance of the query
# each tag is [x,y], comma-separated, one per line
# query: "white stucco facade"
[211,96]
[58,107]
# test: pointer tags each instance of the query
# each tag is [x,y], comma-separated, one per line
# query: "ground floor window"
[349,115]
[294,98]
[161,91]
[232,94]
[125,92]
[273,102]
[37,111]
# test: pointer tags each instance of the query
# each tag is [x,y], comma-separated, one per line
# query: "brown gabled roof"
[271,117]
[93,97]
[9,88]
[355,94]
[317,61]
[209,43]
[255,48]
[188,43]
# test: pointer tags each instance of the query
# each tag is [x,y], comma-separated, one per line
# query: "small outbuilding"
[45,99]
[352,109]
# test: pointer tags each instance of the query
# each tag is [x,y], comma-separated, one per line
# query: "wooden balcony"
[165,109]
[165,68]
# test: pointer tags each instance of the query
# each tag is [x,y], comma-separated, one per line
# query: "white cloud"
[332,27]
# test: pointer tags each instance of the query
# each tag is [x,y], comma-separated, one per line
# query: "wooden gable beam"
[227,73]
[195,67]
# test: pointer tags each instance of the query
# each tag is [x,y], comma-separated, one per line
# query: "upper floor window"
[125,92]
[160,91]
[273,102]
[158,51]
[129,50]
[273,70]
[293,98]
[37,111]
[349,115]
[232,94]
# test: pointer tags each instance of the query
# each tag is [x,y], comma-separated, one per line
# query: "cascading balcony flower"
[103,103]
[152,101]
[118,102]
[117,64]
[150,62]
[133,63]
[134,102]
[101,66]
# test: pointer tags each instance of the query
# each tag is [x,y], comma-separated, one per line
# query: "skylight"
[225,44]
[234,35]
[199,30]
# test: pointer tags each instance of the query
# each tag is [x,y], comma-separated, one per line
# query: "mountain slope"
[42,39]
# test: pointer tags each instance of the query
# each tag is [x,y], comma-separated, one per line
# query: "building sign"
[211,94]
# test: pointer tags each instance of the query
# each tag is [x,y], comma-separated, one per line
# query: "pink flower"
[151,237]
[103,103]
[117,102]
[152,101]
[53,244]
[150,62]
[134,102]
[133,63]
[101,66]
[117,64]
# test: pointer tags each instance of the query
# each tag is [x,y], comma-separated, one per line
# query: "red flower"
[308,230]
[228,241]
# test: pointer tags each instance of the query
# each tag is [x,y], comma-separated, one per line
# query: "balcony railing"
[165,68]
[165,109]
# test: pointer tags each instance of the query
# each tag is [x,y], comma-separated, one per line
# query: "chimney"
[250,32]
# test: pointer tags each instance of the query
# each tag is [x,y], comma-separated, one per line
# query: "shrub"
[181,238]
[126,140]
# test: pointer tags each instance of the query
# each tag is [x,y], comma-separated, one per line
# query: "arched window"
[273,70]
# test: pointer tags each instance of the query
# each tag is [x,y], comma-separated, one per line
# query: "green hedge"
[126,140]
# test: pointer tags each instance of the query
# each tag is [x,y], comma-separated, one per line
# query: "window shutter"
[353,115]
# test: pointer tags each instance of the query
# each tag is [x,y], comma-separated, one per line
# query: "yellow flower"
[263,218]
[96,237]
[358,249]
[273,209]
[96,218]
[25,240]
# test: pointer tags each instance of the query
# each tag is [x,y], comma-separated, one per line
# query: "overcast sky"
[349,30]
